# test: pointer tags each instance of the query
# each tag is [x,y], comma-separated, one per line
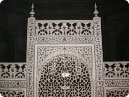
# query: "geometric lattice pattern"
[54,81]
[12,93]
[117,92]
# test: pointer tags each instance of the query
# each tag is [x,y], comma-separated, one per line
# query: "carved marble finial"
[32,13]
[96,11]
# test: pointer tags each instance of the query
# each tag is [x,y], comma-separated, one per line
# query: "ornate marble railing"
[116,70]
[12,71]
[13,80]
[64,27]
[116,79]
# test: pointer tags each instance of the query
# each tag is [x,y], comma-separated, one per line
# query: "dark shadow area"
[13,24]
[123,45]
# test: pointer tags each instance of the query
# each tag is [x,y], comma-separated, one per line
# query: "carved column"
[30,51]
[98,53]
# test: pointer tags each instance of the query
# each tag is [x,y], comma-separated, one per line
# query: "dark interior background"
[13,24]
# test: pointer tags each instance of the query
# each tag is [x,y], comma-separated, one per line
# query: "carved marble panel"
[116,92]
[50,60]
[12,71]
[116,70]
[64,27]
[13,92]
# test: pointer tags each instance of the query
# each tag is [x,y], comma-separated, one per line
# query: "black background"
[13,24]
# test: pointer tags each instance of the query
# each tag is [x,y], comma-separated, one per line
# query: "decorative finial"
[32,13]
[96,11]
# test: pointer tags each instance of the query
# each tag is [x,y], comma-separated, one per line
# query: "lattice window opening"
[66,28]
[12,71]
[116,70]
[117,93]
[76,84]
[11,93]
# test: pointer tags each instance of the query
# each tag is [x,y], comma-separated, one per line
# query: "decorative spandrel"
[64,76]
